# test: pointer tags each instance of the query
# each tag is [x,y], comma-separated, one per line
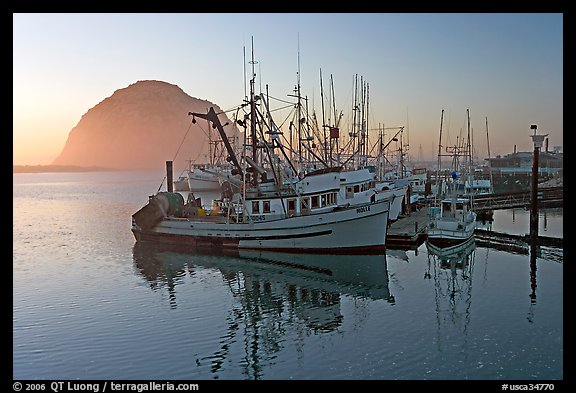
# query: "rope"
[176,154]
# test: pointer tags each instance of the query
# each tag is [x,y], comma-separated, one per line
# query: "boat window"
[323,200]
[255,206]
[291,206]
[266,207]
[315,202]
[356,188]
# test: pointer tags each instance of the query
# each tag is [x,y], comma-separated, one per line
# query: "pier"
[409,231]
[549,197]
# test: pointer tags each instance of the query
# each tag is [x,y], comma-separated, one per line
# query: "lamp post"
[537,140]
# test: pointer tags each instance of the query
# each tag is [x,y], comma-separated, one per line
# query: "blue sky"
[505,67]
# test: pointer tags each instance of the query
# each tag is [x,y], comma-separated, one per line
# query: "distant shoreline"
[58,168]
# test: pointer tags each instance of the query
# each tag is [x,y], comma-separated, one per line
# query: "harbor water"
[89,303]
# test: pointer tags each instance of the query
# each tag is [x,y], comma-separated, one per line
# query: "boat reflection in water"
[277,299]
[452,272]
[289,273]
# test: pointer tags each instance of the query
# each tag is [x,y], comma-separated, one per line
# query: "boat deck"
[409,231]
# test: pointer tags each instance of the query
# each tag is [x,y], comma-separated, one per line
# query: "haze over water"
[88,303]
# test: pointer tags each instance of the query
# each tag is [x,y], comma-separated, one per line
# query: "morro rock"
[142,126]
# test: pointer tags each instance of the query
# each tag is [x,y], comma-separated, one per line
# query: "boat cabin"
[454,207]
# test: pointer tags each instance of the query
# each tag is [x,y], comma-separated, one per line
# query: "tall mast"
[253,108]
[299,108]
[439,156]
[323,118]
[335,127]
[367,128]
[355,119]
[489,158]
[469,158]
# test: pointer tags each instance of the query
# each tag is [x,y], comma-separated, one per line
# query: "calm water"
[88,303]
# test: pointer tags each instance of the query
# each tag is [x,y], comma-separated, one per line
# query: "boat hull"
[450,249]
[181,184]
[197,184]
[353,230]
[449,237]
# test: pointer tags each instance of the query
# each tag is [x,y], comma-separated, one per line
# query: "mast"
[439,157]
[253,108]
[323,118]
[469,159]
[299,111]
[491,190]
[366,126]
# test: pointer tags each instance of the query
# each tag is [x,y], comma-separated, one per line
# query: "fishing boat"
[454,221]
[273,207]
[306,220]
[205,177]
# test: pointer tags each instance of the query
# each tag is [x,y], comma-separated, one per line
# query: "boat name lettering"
[363,209]
[258,218]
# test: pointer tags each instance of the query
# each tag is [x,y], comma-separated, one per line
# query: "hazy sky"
[505,67]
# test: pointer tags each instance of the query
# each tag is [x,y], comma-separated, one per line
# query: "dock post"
[169,181]
[537,140]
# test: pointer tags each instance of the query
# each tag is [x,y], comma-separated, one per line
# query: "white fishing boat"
[307,220]
[272,209]
[453,222]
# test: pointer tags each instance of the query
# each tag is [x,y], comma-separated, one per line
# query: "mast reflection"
[452,273]
[273,292]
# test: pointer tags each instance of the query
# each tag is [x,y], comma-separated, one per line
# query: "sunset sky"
[506,67]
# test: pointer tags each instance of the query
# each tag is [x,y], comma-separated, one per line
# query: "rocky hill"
[141,126]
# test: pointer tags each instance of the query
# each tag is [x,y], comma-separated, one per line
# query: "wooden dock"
[492,237]
[547,197]
[409,231]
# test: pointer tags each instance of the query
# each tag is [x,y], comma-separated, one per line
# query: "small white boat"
[451,224]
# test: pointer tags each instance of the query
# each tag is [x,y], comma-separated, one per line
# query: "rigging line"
[176,154]
[282,107]
[281,100]
[230,110]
